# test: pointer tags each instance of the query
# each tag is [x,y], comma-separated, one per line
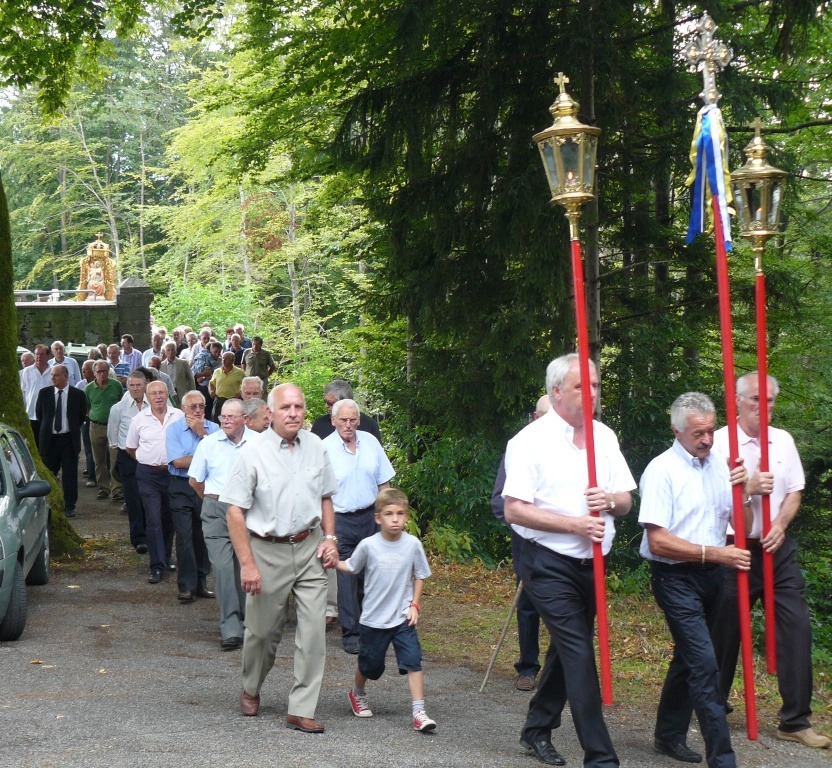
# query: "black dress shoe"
[186,597]
[544,751]
[203,591]
[231,643]
[155,576]
[141,549]
[171,565]
[680,751]
[70,511]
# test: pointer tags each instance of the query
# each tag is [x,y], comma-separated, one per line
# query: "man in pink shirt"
[146,444]
[783,484]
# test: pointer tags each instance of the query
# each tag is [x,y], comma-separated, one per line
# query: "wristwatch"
[612,503]
[331,537]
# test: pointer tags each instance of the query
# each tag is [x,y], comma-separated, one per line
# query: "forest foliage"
[357,183]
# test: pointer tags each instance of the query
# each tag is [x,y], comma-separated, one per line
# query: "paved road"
[125,676]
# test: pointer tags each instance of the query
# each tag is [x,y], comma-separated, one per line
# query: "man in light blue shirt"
[362,469]
[182,438]
[209,470]
[686,504]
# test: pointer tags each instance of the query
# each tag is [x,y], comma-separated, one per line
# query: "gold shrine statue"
[98,273]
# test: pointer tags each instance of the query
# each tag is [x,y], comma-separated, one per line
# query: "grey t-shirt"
[390,568]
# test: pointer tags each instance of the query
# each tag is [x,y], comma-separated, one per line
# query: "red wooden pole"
[768,558]
[588,408]
[724,290]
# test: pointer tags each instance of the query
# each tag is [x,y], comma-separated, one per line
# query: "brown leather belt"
[214,496]
[749,543]
[156,467]
[295,538]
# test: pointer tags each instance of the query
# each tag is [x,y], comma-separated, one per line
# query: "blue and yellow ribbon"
[710,174]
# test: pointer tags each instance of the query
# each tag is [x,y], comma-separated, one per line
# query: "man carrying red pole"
[561,517]
[784,489]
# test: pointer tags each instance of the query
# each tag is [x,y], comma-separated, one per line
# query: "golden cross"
[709,56]
[757,126]
[561,81]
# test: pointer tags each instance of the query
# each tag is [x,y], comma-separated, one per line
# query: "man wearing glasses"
[182,438]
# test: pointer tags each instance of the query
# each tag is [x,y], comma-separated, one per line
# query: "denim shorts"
[374,645]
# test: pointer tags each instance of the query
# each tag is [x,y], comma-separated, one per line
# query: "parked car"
[78,352]
[24,531]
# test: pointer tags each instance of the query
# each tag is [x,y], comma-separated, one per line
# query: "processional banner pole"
[711,186]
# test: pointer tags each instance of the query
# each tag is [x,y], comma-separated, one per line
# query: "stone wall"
[88,322]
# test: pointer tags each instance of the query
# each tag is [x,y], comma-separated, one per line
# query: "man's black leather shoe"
[544,751]
[155,576]
[186,596]
[203,591]
[680,751]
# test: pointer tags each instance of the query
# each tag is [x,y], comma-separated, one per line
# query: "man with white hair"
[182,438]
[155,349]
[257,414]
[783,484]
[283,534]
[686,503]
[252,388]
[147,445]
[558,518]
[362,469]
[178,371]
[60,358]
[208,473]
[118,425]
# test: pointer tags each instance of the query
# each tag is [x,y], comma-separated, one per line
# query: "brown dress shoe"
[249,705]
[305,724]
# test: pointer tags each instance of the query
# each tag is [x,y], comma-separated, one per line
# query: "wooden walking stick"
[502,635]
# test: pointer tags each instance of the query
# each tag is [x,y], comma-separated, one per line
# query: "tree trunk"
[64,539]
[244,236]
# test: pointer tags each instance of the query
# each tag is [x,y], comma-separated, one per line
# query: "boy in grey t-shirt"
[395,568]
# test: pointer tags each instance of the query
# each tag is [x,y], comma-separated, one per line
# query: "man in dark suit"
[61,410]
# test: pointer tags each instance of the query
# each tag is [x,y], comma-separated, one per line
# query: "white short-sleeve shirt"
[691,499]
[544,468]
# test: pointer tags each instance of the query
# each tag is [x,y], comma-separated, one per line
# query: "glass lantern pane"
[774,212]
[590,147]
[570,156]
[547,152]
[739,204]
[754,203]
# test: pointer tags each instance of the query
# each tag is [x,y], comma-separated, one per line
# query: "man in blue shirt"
[182,438]
[209,471]
[362,470]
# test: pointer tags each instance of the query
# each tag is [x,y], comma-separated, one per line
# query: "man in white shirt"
[60,358]
[783,484]
[32,380]
[146,443]
[118,425]
[549,505]
[686,502]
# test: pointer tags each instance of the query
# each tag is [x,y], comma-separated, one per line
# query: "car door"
[30,514]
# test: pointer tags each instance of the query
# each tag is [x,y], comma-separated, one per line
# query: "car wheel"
[41,569]
[11,628]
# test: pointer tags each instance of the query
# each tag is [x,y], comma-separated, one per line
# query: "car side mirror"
[33,489]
